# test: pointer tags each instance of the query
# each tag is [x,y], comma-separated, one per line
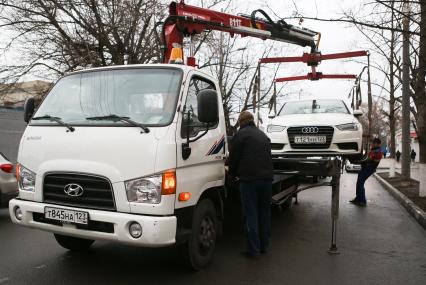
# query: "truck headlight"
[144,190]
[348,127]
[275,128]
[26,178]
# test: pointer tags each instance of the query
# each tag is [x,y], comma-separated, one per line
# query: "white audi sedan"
[321,127]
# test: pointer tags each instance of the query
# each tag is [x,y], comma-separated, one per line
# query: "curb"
[411,208]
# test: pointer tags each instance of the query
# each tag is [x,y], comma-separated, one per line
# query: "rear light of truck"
[168,186]
[6,167]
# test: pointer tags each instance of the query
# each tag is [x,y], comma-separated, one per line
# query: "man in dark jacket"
[250,160]
[413,155]
[368,167]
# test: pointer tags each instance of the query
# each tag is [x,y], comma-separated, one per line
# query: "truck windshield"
[147,96]
[314,107]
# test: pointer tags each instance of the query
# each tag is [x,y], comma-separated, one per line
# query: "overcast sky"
[336,37]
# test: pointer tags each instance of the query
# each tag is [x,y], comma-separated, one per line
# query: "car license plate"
[68,216]
[310,139]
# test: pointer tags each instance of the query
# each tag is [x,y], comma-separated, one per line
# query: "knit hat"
[245,118]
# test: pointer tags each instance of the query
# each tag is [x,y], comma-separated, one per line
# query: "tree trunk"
[420,93]
[392,120]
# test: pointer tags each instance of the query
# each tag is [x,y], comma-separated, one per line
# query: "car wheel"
[199,249]
[73,243]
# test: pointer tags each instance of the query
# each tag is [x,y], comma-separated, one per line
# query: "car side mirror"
[271,116]
[28,109]
[207,103]
[358,113]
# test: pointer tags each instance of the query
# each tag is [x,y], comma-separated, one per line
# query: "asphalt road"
[379,244]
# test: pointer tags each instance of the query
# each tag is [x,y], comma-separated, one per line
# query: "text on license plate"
[310,139]
[69,216]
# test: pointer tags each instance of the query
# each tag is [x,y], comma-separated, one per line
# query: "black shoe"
[248,255]
[358,203]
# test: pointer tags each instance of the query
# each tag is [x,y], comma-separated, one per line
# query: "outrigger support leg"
[335,193]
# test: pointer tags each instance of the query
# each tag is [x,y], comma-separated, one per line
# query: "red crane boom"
[313,59]
[187,20]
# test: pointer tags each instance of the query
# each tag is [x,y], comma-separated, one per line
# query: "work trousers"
[363,175]
[256,203]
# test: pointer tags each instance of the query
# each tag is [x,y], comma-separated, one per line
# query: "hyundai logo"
[310,130]
[73,190]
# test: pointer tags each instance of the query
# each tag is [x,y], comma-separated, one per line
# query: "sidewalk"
[385,165]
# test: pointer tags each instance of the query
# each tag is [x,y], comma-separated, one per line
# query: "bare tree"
[234,63]
[56,36]
[371,16]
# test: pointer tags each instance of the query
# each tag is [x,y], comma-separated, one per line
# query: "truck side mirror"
[271,116]
[358,113]
[208,111]
[28,109]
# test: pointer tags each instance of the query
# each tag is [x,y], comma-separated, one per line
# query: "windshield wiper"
[54,119]
[114,117]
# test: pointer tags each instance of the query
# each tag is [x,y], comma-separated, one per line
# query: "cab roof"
[184,68]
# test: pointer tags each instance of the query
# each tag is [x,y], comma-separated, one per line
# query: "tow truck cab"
[133,154]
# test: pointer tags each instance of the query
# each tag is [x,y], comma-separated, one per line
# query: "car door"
[204,168]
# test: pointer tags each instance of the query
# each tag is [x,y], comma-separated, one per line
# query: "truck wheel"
[73,243]
[198,251]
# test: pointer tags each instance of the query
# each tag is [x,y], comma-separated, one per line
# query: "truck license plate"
[310,139]
[68,216]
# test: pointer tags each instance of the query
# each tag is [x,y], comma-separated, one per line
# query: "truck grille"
[97,191]
[322,131]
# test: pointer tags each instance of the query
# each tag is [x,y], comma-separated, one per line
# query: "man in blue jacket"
[368,167]
[250,160]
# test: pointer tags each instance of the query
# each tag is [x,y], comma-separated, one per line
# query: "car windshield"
[147,96]
[314,107]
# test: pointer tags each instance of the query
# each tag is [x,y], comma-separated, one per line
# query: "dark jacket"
[250,154]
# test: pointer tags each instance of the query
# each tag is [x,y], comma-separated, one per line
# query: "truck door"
[204,168]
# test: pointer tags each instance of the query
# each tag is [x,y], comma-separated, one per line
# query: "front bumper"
[156,231]
[281,146]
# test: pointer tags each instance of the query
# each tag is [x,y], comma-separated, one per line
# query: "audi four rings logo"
[73,190]
[310,130]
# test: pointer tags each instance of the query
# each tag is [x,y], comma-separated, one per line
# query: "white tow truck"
[135,154]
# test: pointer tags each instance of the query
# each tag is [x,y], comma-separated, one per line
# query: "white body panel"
[201,170]
[121,153]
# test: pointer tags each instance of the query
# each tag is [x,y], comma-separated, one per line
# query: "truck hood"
[119,153]
[313,119]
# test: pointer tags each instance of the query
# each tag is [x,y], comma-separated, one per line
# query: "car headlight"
[150,189]
[26,178]
[348,127]
[275,128]
[144,190]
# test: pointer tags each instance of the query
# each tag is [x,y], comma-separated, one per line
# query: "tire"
[73,243]
[199,249]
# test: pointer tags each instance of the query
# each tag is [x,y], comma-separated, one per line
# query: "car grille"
[97,191]
[348,146]
[277,146]
[322,131]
